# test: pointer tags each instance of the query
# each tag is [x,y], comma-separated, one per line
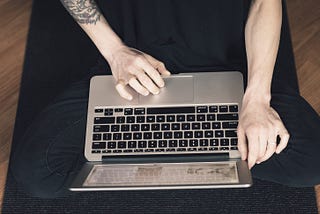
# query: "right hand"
[141,71]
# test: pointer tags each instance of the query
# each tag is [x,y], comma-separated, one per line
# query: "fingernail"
[130,98]
[146,93]
[258,162]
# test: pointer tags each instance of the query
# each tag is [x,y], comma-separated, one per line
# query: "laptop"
[183,138]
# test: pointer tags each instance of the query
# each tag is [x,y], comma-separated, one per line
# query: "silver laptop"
[183,138]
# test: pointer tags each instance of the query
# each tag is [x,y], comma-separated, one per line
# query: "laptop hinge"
[163,158]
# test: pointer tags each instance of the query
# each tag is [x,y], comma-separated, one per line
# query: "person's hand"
[260,124]
[140,70]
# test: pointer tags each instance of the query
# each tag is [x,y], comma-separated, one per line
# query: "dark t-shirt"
[187,35]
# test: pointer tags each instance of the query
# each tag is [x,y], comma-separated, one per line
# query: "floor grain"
[304,18]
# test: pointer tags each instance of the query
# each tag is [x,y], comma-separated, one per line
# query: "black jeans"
[51,151]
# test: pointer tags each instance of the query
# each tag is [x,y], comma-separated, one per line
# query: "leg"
[51,151]
[298,164]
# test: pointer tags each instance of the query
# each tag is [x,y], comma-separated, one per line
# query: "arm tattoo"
[83,11]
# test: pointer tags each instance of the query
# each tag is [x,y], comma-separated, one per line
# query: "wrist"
[256,95]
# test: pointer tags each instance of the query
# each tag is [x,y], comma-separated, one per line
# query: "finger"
[151,71]
[253,145]
[271,146]
[284,135]
[121,88]
[263,140]
[133,82]
[158,65]
[147,83]
[242,144]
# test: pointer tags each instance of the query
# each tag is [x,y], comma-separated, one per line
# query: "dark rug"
[55,48]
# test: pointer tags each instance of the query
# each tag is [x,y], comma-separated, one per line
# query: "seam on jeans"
[59,134]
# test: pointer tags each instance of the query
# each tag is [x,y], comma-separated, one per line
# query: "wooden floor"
[304,20]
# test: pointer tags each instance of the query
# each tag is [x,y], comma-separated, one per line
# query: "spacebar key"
[171,110]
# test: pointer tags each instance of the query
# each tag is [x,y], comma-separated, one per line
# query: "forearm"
[262,36]
[87,14]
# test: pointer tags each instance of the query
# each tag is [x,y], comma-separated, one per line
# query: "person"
[141,41]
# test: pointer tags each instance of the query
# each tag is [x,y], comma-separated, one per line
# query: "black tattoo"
[83,11]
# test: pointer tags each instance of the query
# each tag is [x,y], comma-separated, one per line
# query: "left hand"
[260,124]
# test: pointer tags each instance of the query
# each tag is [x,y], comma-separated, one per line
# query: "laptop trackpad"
[178,89]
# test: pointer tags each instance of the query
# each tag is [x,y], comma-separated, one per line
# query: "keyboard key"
[195,126]
[224,142]
[122,144]
[108,112]
[98,110]
[160,118]
[202,109]
[171,118]
[132,144]
[151,119]
[211,117]
[107,136]
[137,136]
[191,117]
[135,127]
[185,126]
[204,142]
[234,141]
[208,134]
[107,151]
[149,150]
[219,133]
[216,125]
[214,142]
[165,126]
[230,125]
[163,143]
[145,127]
[130,119]
[157,135]
[152,144]
[175,126]
[104,120]
[223,108]
[118,110]
[159,150]
[234,148]
[206,126]
[188,134]
[117,151]
[224,148]
[213,109]
[181,118]
[170,150]
[147,135]
[193,143]
[227,116]
[138,150]
[142,144]
[177,135]
[125,128]
[127,136]
[183,143]
[201,117]
[121,119]
[202,149]
[96,137]
[173,143]
[171,110]
[192,149]
[230,133]
[111,145]
[181,150]
[115,128]
[116,136]
[139,111]
[98,145]
[167,135]
[140,119]
[213,149]
[101,128]
[95,151]
[128,150]
[233,108]
[198,134]
[155,127]
[128,111]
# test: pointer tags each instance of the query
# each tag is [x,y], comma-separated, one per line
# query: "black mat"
[55,47]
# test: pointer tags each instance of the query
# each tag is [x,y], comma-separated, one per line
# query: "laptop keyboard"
[158,130]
